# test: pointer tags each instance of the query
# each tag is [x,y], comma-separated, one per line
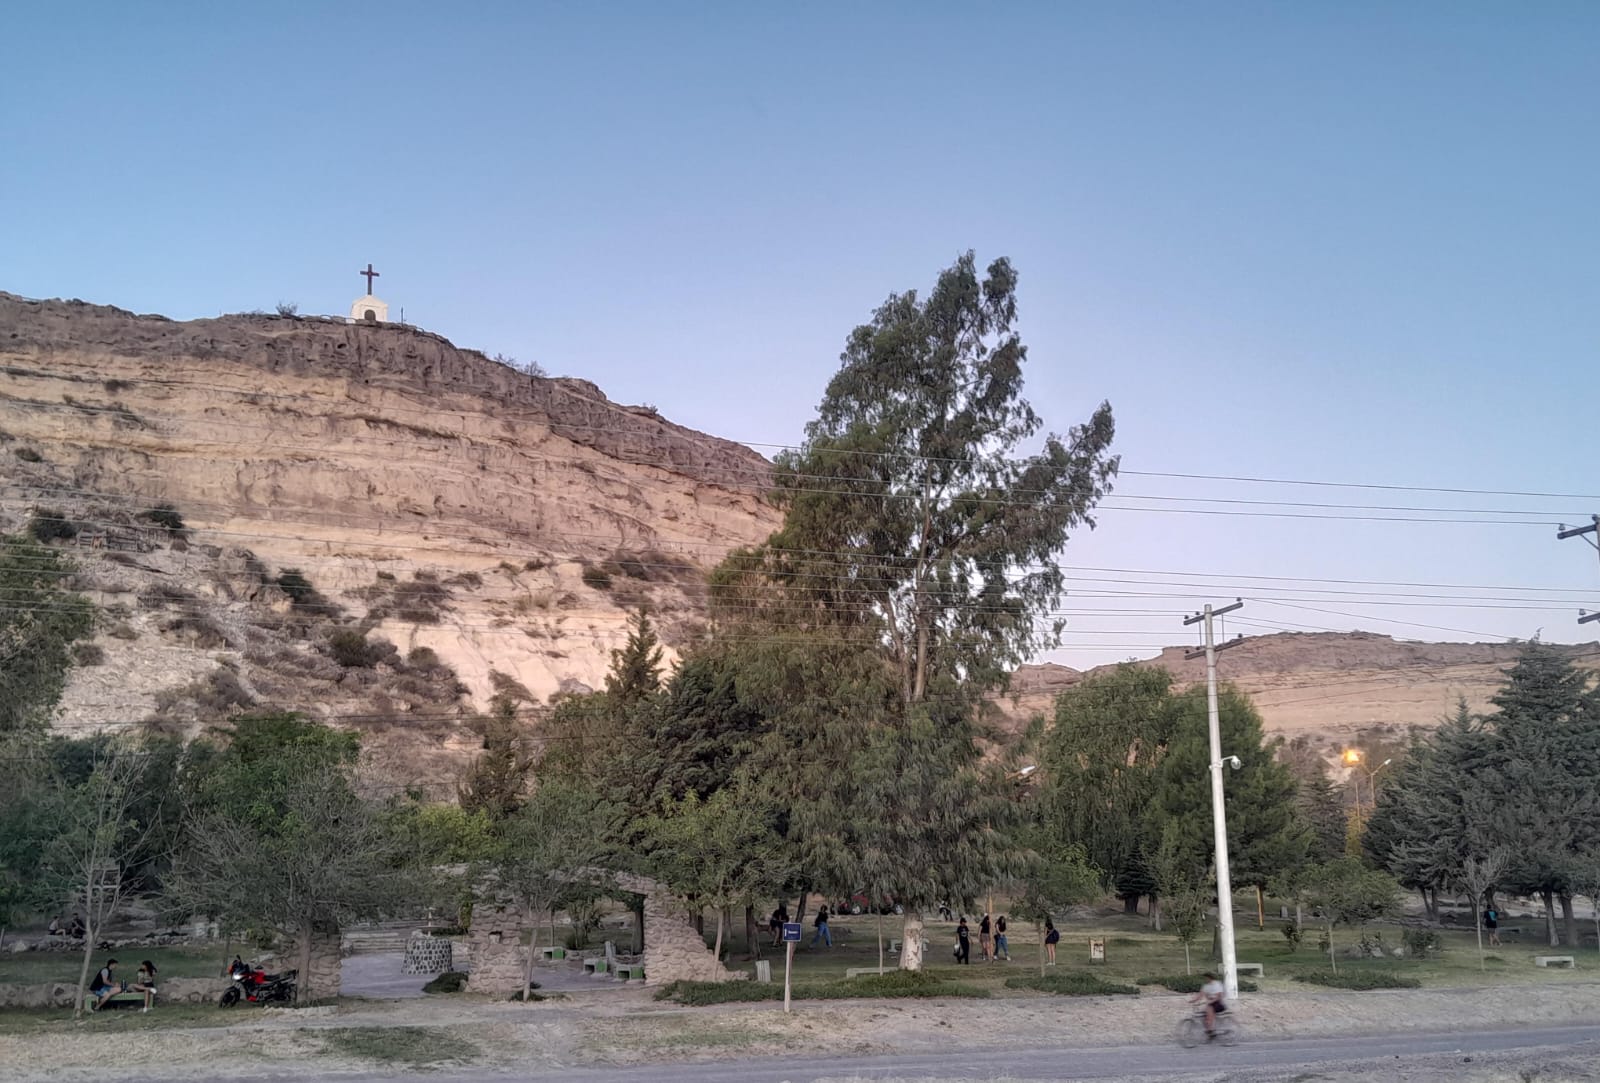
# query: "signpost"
[791,937]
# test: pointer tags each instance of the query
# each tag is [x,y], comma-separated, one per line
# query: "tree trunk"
[533,950]
[716,951]
[752,940]
[1155,912]
[1570,920]
[1188,968]
[1333,960]
[911,940]
[302,986]
[1299,915]
[1130,904]
[1481,964]
[1553,936]
[1261,908]
[800,907]
[83,972]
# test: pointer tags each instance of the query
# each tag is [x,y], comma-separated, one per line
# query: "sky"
[1317,242]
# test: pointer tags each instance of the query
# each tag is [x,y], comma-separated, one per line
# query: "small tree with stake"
[1348,893]
[1479,876]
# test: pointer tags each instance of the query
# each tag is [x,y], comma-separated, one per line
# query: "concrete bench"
[553,953]
[1250,968]
[631,972]
[595,966]
[1564,961]
[126,997]
[858,971]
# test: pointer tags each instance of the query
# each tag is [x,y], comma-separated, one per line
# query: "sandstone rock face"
[1328,686]
[429,496]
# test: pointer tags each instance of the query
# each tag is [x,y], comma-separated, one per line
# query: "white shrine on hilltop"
[369,309]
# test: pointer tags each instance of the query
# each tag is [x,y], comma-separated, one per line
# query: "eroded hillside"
[1328,686]
[493,526]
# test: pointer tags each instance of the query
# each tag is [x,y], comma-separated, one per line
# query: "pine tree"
[636,666]
[1265,834]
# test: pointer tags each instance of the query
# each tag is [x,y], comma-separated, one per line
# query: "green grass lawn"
[1134,951]
[38,967]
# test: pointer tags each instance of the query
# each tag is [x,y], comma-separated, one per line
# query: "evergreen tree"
[1541,775]
[1265,835]
[636,666]
[498,780]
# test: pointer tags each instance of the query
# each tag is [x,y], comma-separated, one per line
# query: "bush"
[451,981]
[167,516]
[1293,934]
[896,984]
[28,455]
[48,524]
[1421,943]
[1359,979]
[88,654]
[296,586]
[350,649]
[422,658]
[1071,983]
[1191,983]
[598,578]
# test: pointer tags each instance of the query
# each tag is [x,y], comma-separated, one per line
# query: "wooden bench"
[1566,962]
[1250,968]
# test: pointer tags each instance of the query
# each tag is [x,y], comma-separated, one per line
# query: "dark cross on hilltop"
[371,274]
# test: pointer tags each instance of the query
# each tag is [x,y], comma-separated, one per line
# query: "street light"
[1353,758]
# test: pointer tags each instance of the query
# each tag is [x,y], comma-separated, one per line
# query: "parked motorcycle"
[254,985]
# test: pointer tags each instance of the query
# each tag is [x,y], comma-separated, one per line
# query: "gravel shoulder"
[625,1028]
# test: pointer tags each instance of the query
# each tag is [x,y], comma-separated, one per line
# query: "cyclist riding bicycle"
[1214,995]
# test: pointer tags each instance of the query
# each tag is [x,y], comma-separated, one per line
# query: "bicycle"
[1192,1030]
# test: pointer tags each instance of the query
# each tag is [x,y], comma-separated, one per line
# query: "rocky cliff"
[1326,686]
[485,529]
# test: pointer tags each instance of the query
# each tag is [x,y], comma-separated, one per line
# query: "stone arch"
[673,948]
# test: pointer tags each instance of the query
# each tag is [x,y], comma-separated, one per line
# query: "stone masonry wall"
[494,945]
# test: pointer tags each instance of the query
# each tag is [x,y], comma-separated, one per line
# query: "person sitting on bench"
[145,982]
[105,985]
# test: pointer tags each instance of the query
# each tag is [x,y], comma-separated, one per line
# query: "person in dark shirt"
[1002,950]
[963,943]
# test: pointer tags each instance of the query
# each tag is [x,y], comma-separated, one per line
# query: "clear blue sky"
[1341,241]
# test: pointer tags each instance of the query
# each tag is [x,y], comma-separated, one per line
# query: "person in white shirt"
[1214,995]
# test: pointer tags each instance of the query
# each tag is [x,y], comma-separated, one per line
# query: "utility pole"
[1562,533]
[1219,817]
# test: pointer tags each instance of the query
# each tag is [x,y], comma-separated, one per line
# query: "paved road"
[1057,1063]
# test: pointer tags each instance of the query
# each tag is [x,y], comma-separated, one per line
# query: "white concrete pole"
[1219,820]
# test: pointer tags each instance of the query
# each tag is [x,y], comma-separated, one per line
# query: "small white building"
[369,309]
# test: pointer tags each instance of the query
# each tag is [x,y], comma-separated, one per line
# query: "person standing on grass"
[985,943]
[1491,922]
[1002,950]
[963,942]
[1052,937]
[822,927]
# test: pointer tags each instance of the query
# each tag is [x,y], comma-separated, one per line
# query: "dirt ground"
[626,1027]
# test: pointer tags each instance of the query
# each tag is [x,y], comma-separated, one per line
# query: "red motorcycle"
[256,986]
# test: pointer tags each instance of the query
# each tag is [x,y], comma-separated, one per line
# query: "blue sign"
[791,931]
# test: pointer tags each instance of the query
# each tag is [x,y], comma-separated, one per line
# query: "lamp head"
[1352,756]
